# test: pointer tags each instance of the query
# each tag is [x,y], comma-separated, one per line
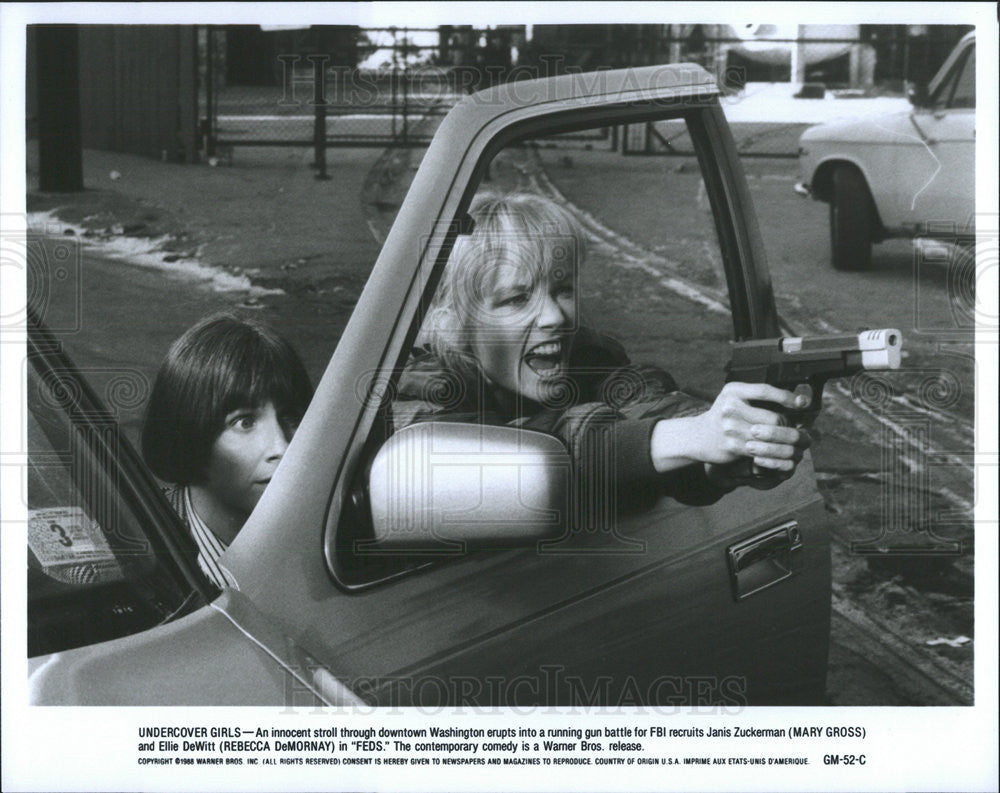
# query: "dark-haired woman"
[227,399]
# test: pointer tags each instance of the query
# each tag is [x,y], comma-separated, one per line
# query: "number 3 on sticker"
[63,536]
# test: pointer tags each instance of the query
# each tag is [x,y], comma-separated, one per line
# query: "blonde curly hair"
[516,229]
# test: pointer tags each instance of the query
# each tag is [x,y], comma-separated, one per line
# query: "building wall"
[252,54]
[139,91]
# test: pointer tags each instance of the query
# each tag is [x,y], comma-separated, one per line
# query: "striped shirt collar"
[210,547]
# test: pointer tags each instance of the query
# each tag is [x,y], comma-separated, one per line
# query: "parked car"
[902,174]
[668,604]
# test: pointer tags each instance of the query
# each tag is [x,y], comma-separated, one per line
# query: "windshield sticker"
[66,538]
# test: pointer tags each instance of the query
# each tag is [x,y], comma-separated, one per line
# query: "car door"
[949,126]
[720,604]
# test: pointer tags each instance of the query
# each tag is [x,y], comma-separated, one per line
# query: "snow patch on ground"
[148,252]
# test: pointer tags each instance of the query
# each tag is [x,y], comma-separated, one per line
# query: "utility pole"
[60,148]
[798,71]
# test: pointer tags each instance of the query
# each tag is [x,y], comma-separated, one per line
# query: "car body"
[726,604]
[899,175]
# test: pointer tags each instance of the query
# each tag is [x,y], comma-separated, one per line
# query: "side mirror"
[445,486]
[917,94]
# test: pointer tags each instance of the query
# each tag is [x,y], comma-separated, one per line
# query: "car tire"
[852,221]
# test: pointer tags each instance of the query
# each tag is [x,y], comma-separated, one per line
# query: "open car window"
[649,292]
[95,569]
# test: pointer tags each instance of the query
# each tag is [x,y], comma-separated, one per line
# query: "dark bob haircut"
[221,364]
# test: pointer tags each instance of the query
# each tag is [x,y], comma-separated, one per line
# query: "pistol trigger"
[803,416]
[804,389]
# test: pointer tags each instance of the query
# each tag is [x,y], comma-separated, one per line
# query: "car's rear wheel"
[852,221]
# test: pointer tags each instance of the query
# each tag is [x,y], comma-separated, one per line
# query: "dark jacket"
[604,411]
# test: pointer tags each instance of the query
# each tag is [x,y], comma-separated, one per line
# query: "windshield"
[96,569]
[959,68]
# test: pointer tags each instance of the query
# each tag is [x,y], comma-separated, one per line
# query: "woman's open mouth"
[545,359]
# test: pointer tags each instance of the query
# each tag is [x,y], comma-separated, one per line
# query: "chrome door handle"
[764,559]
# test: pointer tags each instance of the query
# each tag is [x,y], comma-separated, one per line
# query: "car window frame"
[748,281]
[160,525]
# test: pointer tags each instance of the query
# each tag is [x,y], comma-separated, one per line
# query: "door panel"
[948,195]
[951,125]
[946,198]
[535,627]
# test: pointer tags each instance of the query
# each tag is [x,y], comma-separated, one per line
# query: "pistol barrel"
[877,349]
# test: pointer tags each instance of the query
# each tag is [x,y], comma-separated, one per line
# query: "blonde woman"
[503,344]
